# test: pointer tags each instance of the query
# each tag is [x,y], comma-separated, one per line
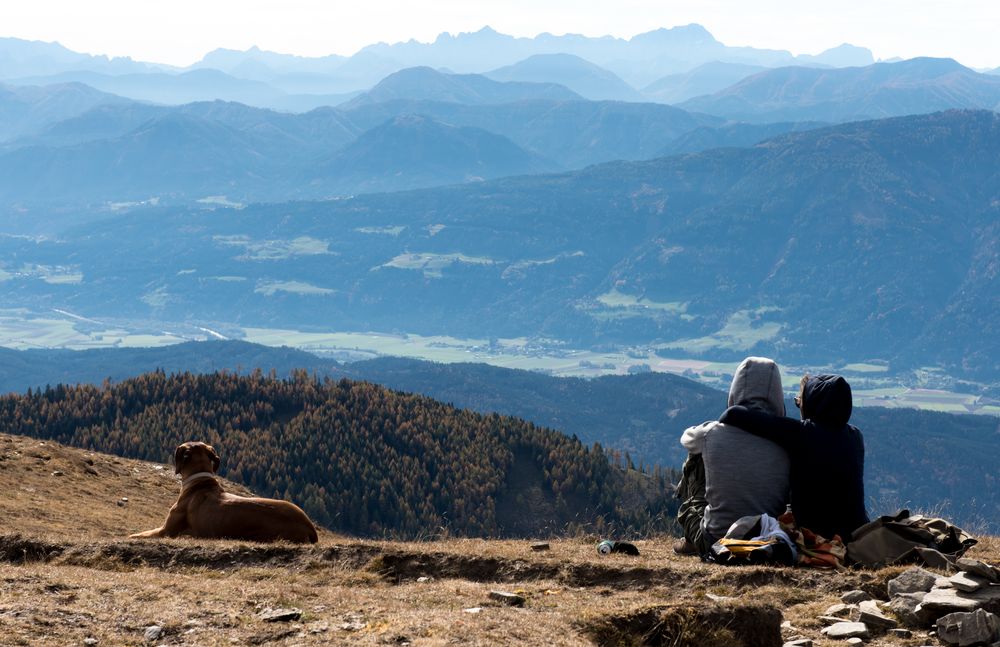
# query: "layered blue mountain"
[704,79]
[24,110]
[915,86]
[20,58]
[186,87]
[871,240]
[426,84]
[583,77]
[413,151]
[277,156]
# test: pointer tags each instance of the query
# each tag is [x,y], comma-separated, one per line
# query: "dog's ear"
[215,458]
[180,455]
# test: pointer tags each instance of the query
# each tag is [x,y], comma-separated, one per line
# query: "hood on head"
[826,399]
[757,385]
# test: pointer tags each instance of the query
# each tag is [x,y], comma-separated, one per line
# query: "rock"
[58,473]
[90,470]
[854,641]
[976,567]
[90,641]
[840,610]
[915,580]
[941,602]
[152,633]
[904,606]
[472,610]
[831,620]
[964,581]
[510,599]
[719,598]
[801,642]
[843,630]
[855,596]
[541,545]
[964,629]
[280,615]
[423,579]
[901,633]
[873,618]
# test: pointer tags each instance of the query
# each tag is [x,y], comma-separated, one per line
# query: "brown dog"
[204,510]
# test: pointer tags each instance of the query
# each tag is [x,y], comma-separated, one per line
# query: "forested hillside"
[358,457]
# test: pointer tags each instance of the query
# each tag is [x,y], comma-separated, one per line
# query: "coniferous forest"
[358,457]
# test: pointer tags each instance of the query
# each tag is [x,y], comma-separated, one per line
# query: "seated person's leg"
[691,492]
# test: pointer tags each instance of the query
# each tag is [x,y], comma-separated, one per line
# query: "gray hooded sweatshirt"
[744,474]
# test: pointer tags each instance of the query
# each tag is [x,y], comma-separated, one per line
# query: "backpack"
[904,538]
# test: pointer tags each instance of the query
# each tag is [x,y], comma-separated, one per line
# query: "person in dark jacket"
[827,455]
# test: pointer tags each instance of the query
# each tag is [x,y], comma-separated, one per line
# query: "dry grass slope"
[67,575]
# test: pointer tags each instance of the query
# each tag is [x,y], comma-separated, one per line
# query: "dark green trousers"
[691,492]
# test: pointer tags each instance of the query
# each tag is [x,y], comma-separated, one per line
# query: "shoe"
[684,547]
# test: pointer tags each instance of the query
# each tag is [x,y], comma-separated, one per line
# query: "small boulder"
[904,606]
[965,581]
[873,618]
[280,615]
[840,610]
[964,629]
[915,580]
[844,630]
[540,546]
[940,602]
[854,641]
[801,642]
[510,599]
[855,596]
[152,633]
[976,567]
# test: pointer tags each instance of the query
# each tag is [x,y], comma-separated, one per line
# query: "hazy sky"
[182,31]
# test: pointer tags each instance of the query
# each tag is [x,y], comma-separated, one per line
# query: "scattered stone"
[940,602]
[90,641]
[843,630]
[353,623]
[964,629]
[901,633]
[319,628]
[423,579]
[541,545]
[840,610]
[90,470]
[874,619]
[719,598]
[904,606]
[801,642]
[152,633]
[280,615]
[830,620]
[855,596]
[976,567]
[58,473]
[472,610]
[963,581]
[510,599]
[854,641]
[915,580]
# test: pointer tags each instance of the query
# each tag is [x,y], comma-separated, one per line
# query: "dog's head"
[195,457]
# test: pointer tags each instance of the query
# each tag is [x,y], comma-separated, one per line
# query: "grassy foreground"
[68,576]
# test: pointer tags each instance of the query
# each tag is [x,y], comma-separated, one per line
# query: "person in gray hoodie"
[729,473]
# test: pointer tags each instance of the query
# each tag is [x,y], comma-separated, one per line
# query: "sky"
[180,32]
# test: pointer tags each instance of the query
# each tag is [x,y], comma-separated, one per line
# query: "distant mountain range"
[426,84]
[704,79]
[713,255]
[580,76]
[915,86]
[27,109]
[603,68]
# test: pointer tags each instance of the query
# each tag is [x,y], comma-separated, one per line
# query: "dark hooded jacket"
[827,456]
